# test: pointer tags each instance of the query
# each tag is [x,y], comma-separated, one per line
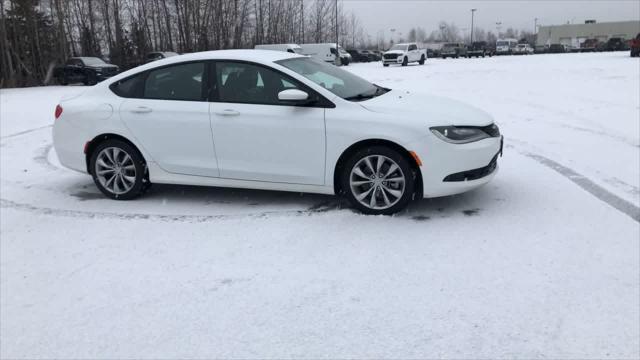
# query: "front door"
[256,136]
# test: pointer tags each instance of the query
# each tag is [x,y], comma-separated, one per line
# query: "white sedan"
[277,121]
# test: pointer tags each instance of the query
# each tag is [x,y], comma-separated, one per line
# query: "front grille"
[492,130]
[109,71]
[474,174]
[390,56]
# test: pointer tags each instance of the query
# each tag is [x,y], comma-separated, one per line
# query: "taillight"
[58,111]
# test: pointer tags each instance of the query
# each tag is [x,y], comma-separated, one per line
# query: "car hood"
[399,52]
[434,110]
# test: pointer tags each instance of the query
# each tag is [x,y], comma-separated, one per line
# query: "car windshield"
[502,43]
[450,45]
[340,82]
[399,47]
[92,61]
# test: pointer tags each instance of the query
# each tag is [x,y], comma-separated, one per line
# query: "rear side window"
[413,47]
[130,87]
[177,82]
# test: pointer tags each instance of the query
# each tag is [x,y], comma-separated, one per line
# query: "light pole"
[498,27]
[338,59]
[442,27]
[472,12]
[535,25]
[392,33]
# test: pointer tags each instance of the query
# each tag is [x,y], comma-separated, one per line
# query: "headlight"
[459,135]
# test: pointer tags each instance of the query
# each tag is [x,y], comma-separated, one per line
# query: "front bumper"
[449,169]
[397,60]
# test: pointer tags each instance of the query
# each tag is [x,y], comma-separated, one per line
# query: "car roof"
[252,55]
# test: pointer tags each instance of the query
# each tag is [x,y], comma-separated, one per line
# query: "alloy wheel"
[377,182]
[115,170]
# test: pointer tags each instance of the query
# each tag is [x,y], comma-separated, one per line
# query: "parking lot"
[543,262]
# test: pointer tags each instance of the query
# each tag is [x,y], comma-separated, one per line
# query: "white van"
[505,46]
[326,52]
[291,48]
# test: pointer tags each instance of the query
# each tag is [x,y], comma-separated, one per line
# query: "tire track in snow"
[41,210]
[594,189]
[25,132]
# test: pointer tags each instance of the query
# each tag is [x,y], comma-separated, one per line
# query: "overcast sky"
[383,15]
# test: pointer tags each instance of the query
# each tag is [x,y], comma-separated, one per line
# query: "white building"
[574,34]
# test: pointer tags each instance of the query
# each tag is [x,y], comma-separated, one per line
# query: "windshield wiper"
[365,96]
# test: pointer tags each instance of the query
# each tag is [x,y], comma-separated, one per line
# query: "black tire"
[141,183]
[422,59]
[405,61]
[444,57]
[385,65]
[90,78]
[405,168]
[63,80]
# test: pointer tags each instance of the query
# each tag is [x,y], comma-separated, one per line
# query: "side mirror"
[293,95]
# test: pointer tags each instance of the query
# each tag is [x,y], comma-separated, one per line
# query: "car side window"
[176,82]
[412,47]
[130,87]
[250,84]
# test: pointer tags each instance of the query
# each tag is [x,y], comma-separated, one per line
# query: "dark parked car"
[557,49]
[616,44]
[358,56]
[479,48]
[590,45]
[635,46]
[454,50]
[87,70]
[371,55]
[157,55]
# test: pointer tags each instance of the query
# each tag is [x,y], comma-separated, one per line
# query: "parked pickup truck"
[404,54]
[87,70]
[453,50]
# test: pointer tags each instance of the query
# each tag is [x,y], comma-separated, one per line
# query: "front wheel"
[119,170]
[405,61]
[385,65]
[378,180]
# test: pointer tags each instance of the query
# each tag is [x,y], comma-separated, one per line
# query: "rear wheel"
[378,180]
[119,170]
[422,59]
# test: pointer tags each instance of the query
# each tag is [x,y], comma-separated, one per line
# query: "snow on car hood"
[434,109]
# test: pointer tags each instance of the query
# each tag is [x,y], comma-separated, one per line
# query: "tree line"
[36,35]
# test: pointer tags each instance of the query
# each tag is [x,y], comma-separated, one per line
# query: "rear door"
[169,116]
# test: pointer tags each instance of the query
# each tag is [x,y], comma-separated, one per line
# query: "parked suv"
[87,70]
[358,56]
[590,45]
[157,55]
[454,50]
[616,44]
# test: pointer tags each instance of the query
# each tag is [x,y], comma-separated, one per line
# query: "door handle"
[227,112]
[141,110]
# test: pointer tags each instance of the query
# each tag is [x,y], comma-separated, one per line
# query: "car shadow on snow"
[201,198]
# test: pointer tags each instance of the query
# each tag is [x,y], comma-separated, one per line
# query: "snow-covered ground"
[544,262]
